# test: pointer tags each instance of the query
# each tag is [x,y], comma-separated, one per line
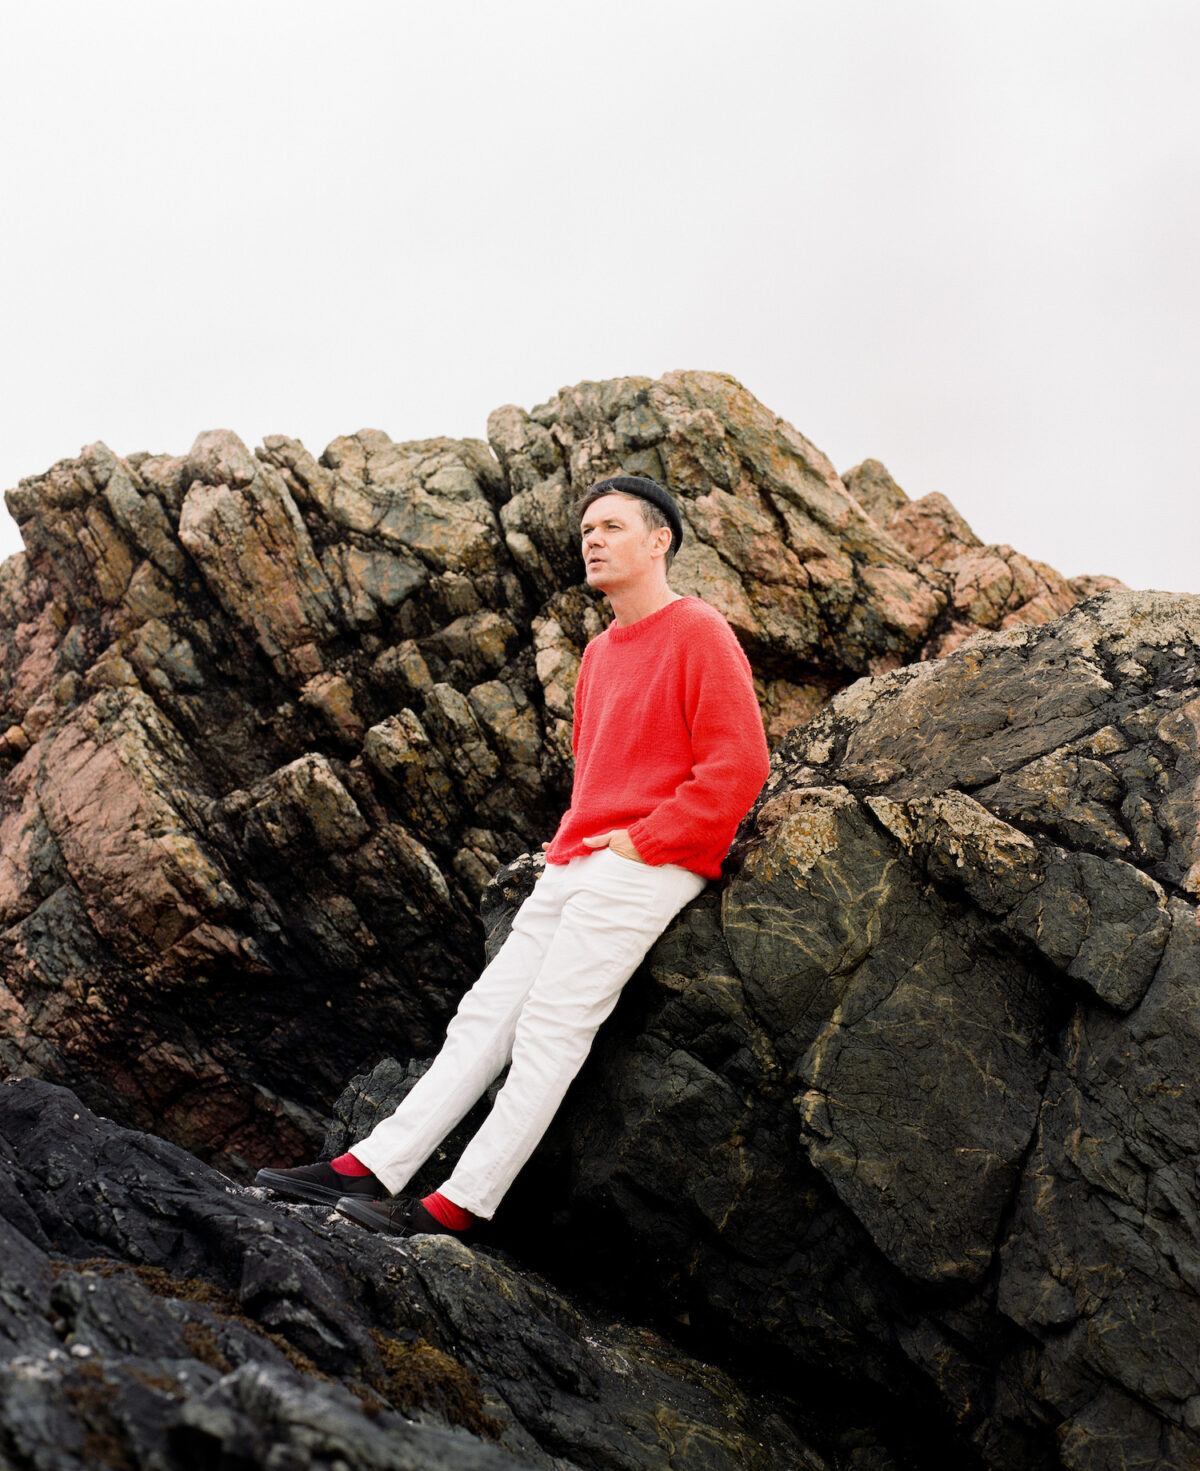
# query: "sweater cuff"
[650,850]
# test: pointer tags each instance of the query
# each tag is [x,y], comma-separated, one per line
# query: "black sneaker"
[402,1217]
[320,1183]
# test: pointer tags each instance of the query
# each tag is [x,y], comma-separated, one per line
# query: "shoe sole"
[283,1184]
[350,1205]
[357,1211]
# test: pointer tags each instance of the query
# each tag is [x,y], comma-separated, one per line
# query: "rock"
[910,1101]
[984,586]
[258,560]
[1088,587]
[151,1313]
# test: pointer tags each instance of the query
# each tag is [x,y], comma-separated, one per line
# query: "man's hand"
[619,841]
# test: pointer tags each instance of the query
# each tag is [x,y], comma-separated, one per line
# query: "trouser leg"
[614,913]
[478,1041]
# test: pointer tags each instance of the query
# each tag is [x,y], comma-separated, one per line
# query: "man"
[669,755]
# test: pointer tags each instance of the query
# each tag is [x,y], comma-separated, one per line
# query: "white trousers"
[574,943]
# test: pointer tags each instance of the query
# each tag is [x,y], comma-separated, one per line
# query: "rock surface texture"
[898,1123]
[152,1314]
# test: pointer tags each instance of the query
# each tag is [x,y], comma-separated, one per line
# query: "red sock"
[450,1215]
[346,1164]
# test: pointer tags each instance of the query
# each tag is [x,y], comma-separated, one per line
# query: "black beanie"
[647,490]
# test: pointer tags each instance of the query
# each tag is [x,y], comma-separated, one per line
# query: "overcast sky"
[959,237]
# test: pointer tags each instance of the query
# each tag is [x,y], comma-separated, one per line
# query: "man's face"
[619,549]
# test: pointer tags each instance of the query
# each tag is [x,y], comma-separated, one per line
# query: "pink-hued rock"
[254,551]
[112,779]
[982,586]
[774,539]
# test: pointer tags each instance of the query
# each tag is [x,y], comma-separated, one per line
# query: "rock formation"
[269,724]
[898,1122]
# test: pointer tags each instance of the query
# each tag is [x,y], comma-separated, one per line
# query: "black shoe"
[396,1217]
[321,1183]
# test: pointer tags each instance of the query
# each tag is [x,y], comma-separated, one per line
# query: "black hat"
[647,490]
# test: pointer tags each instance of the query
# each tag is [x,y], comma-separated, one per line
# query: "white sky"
[961,237]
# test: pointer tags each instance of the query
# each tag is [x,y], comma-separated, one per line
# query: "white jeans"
[574,943]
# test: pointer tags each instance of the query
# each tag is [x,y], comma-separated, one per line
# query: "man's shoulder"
[700,619]
[702,644]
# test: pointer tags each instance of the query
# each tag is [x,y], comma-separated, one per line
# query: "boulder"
[909,1103]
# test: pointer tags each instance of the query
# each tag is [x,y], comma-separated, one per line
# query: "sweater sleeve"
[729,751]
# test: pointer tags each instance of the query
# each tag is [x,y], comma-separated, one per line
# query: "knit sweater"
[668,739]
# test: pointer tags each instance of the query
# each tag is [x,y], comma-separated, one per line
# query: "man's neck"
[634,604]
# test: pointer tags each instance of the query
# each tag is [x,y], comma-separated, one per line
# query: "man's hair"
[653,514]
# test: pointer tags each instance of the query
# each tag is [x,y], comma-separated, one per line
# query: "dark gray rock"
[154,1314]
[910,1101]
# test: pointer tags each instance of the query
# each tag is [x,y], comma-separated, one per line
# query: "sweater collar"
[631,631]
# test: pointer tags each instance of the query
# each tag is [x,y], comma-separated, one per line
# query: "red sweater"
[668,739]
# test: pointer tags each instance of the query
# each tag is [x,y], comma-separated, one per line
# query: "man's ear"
[661,543]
